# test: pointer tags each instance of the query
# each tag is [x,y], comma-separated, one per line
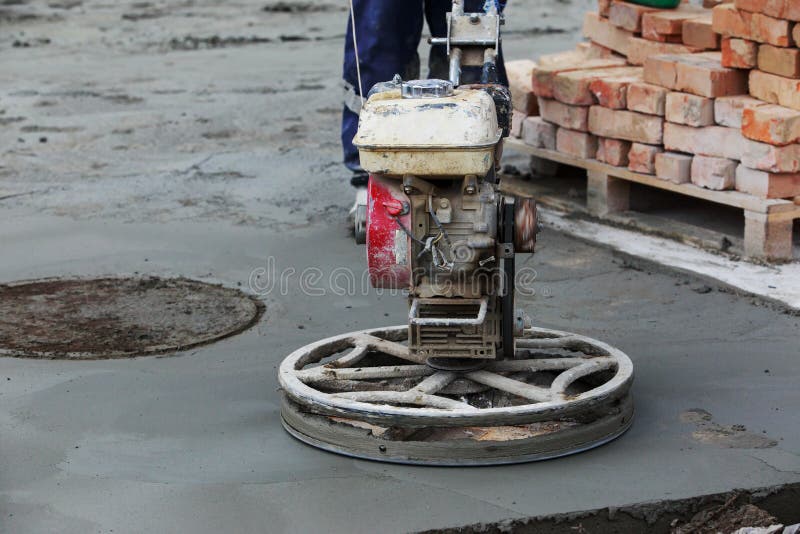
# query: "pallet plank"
[768,222]
[729,198]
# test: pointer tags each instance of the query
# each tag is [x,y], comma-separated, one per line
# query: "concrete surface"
[205,163]
[778,283]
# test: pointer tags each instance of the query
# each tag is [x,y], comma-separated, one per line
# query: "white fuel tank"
[421,133]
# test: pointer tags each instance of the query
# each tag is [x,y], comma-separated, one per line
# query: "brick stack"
[698,148]
[688,113]
[594,102]
[762,37]
[571,109]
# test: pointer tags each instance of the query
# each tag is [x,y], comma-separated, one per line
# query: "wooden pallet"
[767,222]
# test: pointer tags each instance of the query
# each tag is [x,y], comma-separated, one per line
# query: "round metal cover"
[118,317]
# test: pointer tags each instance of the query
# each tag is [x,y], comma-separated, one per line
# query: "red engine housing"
[388,246]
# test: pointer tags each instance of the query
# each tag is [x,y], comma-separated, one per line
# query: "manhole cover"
[118,317]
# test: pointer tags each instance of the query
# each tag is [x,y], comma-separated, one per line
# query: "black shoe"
[359,179]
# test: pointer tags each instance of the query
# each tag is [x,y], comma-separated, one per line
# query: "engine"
[437,225]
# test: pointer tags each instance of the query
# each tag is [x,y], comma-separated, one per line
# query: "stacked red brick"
[687,116]
[564,84]
[762,36]
[699,148]
[637,32]
[594,103]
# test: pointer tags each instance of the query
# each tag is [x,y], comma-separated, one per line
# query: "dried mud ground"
[200,139]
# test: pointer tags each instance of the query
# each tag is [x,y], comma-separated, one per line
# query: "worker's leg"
[387,33]
[437,23]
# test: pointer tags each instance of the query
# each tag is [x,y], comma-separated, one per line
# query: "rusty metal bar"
[351,358]
[509,385]
[563,381]
[405,397]
[435,383]
[323,374]
[534,365]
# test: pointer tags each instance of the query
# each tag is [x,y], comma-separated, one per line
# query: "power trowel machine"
[468,381]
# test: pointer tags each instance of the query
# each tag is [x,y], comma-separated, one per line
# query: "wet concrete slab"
[194,441]
[221,173]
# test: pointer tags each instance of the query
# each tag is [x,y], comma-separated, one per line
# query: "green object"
[665,4]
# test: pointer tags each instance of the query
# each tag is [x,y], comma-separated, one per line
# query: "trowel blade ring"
[311,430]
[364,395]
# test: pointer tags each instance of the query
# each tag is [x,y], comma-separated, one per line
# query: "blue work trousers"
[388,34]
